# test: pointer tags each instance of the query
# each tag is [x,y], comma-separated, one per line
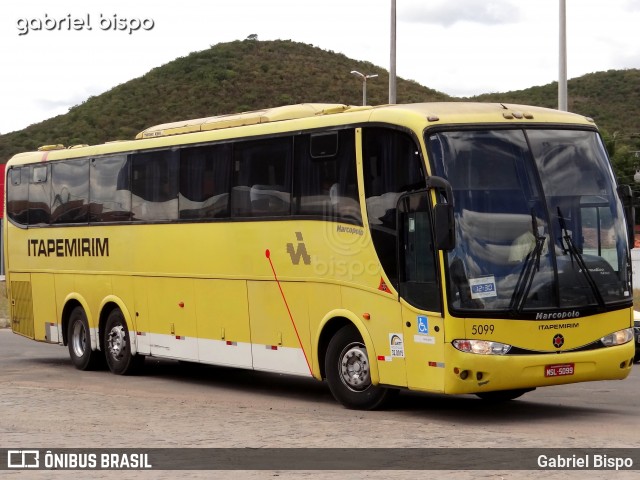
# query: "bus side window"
[39,195]
[154,185]
[110,189]
[204,182]
[70,188]
[262,178]
[326,184]
[18,195]
[418,273]
[391,166]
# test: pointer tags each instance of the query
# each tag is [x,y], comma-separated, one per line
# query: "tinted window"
[418,278]
[391,166]
[154,185]
[70,188]
[110,194]
[262,178]
[326,183]
[39,195]
[205,173]
[18,195]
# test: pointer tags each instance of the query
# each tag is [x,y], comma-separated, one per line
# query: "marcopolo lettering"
[557,315]
[68,247]
[353,230]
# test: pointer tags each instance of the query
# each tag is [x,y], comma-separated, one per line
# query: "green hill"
[227,78]
[611,98]
[250,74]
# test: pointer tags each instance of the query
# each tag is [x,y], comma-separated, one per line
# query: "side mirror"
[444,231]
[443,226]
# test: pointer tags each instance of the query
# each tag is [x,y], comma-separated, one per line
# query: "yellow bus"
[456,248]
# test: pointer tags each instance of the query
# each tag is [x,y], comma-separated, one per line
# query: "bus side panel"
[21,304]
[323,299]
[47,325]
[140,310]
[223,322]
[172,318]
[275,345]
[424,349]
[93,289]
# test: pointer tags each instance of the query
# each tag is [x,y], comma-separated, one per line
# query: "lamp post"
[364,83]
[392,66]
[562,73]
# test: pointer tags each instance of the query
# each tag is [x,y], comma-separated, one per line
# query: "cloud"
[447,13]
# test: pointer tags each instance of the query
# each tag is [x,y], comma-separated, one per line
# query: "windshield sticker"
[396,344]
[483,287]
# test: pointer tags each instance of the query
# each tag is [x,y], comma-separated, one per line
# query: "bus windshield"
[539,226]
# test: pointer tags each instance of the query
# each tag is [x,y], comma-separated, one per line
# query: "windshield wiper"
[529,269]
[576,256]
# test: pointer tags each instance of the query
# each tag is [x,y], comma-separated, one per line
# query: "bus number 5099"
[482,329]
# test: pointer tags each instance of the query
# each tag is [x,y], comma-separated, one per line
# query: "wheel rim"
[117,342]
[78,339]
[354,367]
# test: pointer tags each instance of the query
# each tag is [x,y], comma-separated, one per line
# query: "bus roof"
[417,115]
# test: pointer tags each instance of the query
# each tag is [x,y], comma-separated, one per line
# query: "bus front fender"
[344,317]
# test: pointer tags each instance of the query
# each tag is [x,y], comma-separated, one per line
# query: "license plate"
[559,370]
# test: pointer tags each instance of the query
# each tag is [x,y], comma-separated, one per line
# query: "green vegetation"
[251,74]
[611,98]
[227,78]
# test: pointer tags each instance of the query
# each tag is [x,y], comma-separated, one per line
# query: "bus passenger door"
[420,295]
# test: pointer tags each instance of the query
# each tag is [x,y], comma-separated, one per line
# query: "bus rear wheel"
[117,346]
[348,372]
[79,342]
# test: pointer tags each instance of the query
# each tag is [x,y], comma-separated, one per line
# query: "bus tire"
[117,346]
[79,342]
[503,395]
[348,372]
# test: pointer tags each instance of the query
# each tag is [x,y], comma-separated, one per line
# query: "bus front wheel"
[117,346]
[348,372]
[79,342]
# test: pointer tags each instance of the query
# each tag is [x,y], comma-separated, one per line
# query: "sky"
[54,55]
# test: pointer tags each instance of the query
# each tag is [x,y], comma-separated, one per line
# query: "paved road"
[46,403]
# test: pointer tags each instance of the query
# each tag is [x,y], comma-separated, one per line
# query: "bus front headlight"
[481,347]
[617,338]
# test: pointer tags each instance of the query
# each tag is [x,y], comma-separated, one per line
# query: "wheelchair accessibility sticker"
[423,325]
[423,331]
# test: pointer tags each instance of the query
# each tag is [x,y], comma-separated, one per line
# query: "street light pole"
[392,67]
[562,73]
[364,83]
